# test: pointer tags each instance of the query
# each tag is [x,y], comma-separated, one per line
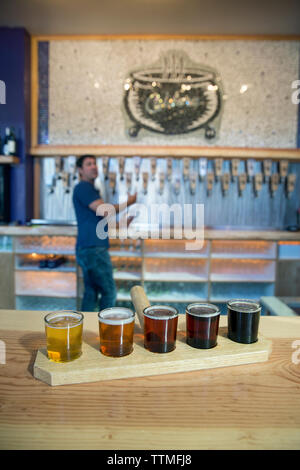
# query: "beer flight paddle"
[165,343]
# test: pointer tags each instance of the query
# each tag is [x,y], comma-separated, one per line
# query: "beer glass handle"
[140,302]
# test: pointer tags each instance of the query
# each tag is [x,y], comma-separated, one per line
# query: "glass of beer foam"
[243,320]
[160,328]
[202,325]
[116,328]
[64,335]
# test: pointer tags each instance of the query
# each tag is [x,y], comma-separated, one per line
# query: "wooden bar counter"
[255,406]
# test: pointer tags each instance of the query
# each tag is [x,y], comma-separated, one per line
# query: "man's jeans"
[97,271]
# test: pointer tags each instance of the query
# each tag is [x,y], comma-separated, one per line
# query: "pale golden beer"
[116,328]
[64,335]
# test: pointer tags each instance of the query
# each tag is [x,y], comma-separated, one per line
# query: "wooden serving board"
[93,366]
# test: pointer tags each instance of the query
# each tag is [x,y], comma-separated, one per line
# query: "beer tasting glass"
[202,325]
[116,328]
[160,328]
[243,320]
[64,335]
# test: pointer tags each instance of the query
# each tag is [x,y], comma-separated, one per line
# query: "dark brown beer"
[243,320]
[116,328]
[202,325]
[160,328]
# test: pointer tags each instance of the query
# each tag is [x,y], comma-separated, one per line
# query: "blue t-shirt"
[84,194]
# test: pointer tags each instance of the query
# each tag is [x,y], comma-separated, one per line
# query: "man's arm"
[118,207]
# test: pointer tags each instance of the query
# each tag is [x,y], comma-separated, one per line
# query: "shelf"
[124,298]
[59,269]
[120,298]
[165,277]
[224,301]
[242,256]
[9,160]
[41,294]
[176,255]
[167,150]
[238,280]
[122,277]
[125,254]
[45,284]
[45,252]
[175,300]
[127,277]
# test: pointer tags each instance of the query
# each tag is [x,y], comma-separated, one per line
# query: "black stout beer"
[160,328]
[202,325]
[243,320]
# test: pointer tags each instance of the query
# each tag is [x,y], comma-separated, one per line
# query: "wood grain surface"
[210,234]
[167,151]
[255,406]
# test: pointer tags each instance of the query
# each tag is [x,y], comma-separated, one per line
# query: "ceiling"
[152,16]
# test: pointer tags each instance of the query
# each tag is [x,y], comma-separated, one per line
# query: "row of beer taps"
[63,175]
[266,175]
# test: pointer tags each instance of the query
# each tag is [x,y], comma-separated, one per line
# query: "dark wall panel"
[15,72]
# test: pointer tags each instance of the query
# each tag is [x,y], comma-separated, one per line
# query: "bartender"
[92,252]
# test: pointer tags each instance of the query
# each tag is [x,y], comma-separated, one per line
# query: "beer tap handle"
[242,182]
[128,181]
[58,168]
[177,186]
[274,182]
[290,184]
[161,182]
[105,164]
[74,172]
[225,181]
[53,184]
[169,168]
[267,169]
[283,169]
[235,163]
[250,168]
[186,168]
[257,182]
[202,168]
[137,165]
[121,167]
[58,165]
[218,163]
[153,168]
[145,182]
[112,181]
[209,182]
[66,181]
[193,179]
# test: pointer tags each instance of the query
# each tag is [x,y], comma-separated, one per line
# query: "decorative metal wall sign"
[174,96]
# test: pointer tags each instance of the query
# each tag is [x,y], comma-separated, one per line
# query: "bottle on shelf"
[10,143]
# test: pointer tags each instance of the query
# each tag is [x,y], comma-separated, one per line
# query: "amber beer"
[64,335]
[116,328]
[243,320]
[202,325]
[160,328]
